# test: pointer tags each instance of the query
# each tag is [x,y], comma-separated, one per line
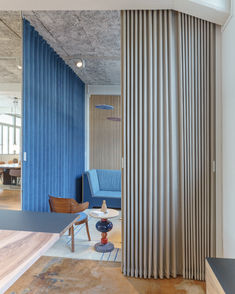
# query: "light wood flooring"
[10,199]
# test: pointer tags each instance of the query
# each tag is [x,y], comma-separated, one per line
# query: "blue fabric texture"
[53,125]
[100,181]
[109,194]
[93,181]
[109,180]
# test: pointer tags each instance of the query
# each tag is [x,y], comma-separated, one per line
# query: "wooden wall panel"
[105,135]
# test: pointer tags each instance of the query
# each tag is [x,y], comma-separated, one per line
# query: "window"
[9,134]
[17,147]
[18,122]
[11,140]
[6,119]
[5,140]
[1,140]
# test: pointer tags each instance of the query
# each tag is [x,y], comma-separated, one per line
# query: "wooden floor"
[54,275]
[10,199]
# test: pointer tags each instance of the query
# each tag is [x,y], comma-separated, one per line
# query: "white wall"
[228,123]
[7,157]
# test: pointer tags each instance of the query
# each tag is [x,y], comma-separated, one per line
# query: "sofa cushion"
[93,181]
[82,215]
[109,180]
[108,194]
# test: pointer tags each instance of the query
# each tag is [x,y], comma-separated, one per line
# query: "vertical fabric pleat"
[197,114]
[53,125]
[150,178]
[168,144]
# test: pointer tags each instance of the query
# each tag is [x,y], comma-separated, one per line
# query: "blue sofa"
[101,184]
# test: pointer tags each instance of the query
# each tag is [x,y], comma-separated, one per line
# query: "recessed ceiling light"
[19,66]
[80,63]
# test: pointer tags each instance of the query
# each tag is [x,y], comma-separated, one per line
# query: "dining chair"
[15,173]
[2,171]
[69,205]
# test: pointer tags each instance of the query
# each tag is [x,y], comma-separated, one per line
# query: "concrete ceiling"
[10,46]
[10,58]
[91,35]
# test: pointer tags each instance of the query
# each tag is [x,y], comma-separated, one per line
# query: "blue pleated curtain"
[53,124]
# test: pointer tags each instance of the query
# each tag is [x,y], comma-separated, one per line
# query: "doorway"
[10,109]
[88,43]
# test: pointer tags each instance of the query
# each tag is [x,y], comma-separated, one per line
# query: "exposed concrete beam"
[10,29]
[6,88]
[90,57]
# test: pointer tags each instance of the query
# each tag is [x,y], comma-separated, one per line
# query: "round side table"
[104,226]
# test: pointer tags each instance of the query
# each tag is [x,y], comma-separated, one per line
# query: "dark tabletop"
[35,221]
[224,269]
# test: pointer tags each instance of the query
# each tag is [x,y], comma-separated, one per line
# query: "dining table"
[25,236]
[6,167]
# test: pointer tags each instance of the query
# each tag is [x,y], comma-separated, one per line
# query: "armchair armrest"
[78,207]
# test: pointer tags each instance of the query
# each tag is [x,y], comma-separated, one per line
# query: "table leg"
[6,177]
[104,226]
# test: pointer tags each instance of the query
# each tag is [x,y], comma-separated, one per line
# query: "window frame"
[1,139]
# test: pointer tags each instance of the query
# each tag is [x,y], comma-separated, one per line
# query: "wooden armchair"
[69,205]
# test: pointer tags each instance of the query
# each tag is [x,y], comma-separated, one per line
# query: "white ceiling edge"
[103,89]
[205,10]
[215,11]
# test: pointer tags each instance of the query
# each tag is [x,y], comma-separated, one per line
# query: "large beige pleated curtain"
[168,118]
[197,153]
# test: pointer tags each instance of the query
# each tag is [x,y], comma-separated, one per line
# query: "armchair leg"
[71,232]
[87,230]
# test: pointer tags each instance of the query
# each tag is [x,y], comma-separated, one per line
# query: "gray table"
[45,222]
[224,271]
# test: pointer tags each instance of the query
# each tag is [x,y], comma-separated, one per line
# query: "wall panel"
[105,135]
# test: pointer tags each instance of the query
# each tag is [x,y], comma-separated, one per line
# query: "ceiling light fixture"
[80,63]
[104,106]
[19,66]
